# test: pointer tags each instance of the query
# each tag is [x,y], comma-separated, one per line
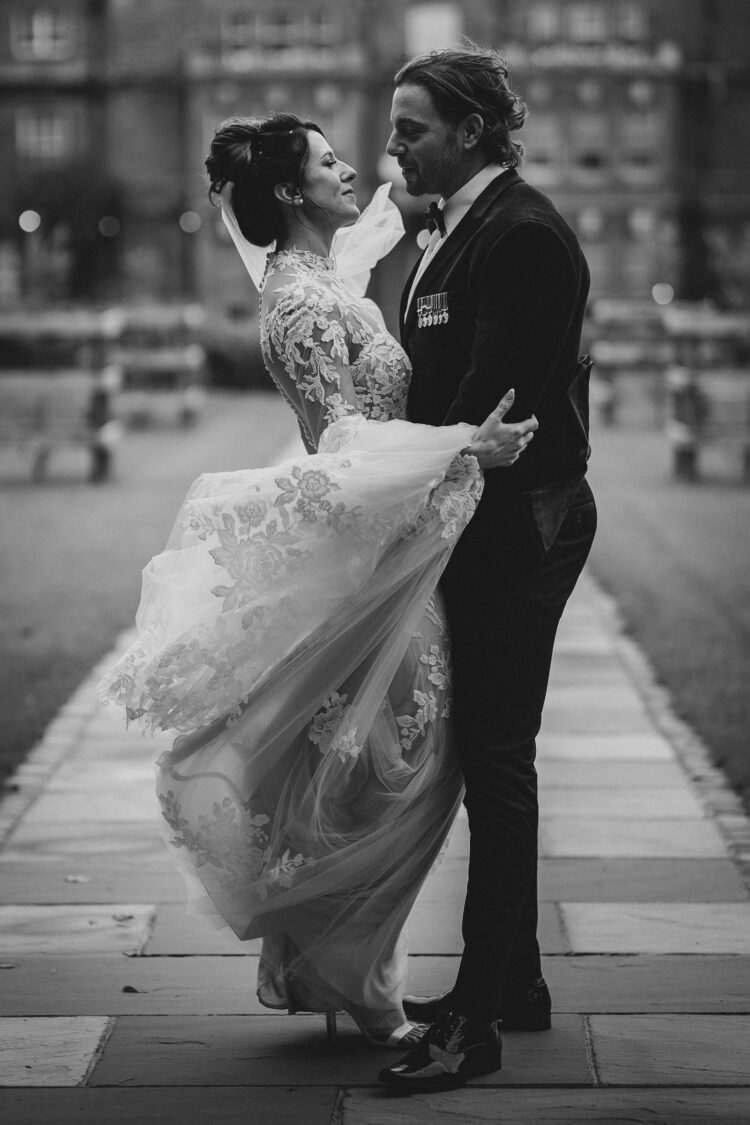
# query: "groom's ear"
[471,130]
[285,193]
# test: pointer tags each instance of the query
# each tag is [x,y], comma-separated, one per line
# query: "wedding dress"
[292,635]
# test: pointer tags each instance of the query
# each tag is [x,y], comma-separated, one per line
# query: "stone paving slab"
[87,881]
[118,749]
[139,839]
[176,932]
[472,1106]
[62,880]
[106,806]
[593,720]
[47,985]
[619,697]
[590,647]
[74,929]
[595,983]
[598,879]
[627,803]
[667,1050]
[640,880]
[576,668]
[434,928]
[49,1052]
[613,775]
[642,983]
[95,985]
[687,927]
[267,1051]
[641,745]
[79,775]
[631,837]
[228,1105]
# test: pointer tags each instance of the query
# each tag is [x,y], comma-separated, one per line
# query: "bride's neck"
[303,237]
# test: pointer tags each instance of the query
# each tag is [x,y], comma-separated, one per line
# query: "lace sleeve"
[306,342]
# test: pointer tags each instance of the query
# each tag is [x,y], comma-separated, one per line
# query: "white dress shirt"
[454,209]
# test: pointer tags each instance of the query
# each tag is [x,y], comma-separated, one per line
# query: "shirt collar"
[459,203]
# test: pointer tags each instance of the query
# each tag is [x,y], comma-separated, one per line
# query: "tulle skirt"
[292,634]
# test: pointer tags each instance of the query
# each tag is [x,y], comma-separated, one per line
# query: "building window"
[631,21]
[542,135]
[587,23]
[641,93]
[539,93]
[543,22]
[590,92]
[280,29]
[42,35]
[589,146]
[590,224]
[430,26]
[639,147]
[642,224]
[44,134]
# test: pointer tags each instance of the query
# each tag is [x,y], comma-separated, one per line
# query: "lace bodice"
[328,352]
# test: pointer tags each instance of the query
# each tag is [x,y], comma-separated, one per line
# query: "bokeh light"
[190,222]
[29,221]
[663,293]
[109,226]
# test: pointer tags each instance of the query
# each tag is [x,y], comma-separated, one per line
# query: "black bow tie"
[434,219]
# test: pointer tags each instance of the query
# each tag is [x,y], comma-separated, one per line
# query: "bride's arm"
[308,340]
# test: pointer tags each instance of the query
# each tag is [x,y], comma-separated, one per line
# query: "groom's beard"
[435,176]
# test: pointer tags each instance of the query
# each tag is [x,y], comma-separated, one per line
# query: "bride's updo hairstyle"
[254,155]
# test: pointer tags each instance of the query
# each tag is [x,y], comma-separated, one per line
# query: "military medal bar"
[432,310]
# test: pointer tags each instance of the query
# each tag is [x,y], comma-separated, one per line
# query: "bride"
[291,633]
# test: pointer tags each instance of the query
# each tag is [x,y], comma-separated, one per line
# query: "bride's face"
[327,186]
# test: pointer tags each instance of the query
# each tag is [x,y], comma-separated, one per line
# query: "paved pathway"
[117,1007]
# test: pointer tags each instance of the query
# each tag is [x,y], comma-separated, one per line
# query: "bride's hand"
[497,444]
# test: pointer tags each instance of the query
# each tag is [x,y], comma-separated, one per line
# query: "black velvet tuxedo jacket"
[514,282]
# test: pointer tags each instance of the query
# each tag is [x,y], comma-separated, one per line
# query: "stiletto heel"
[297,1007]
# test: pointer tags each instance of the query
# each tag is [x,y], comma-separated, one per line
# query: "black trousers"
[504,598]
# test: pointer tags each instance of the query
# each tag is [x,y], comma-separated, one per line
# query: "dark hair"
[472,80]
[254,155]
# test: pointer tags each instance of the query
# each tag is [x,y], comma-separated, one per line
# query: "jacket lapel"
[405,294]
[454,243]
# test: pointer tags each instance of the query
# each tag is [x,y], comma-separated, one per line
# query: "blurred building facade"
[638,128]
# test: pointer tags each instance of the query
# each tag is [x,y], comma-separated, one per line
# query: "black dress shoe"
[453,1049]
[425,1008]
[528,1010]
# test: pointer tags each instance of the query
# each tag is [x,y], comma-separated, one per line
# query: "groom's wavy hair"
[472,79]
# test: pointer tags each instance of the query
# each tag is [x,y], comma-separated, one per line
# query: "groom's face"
[426,146]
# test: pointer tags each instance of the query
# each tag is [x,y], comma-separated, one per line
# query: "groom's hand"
[498,444]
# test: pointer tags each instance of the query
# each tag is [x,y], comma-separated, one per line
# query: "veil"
[356,248]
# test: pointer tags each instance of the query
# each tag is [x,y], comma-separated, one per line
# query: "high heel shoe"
[296,1007]
[405,1036]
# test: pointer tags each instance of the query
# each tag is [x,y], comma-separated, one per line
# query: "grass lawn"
[674,555]
[72,553]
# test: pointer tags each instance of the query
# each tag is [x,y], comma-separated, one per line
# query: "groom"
[496,301]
